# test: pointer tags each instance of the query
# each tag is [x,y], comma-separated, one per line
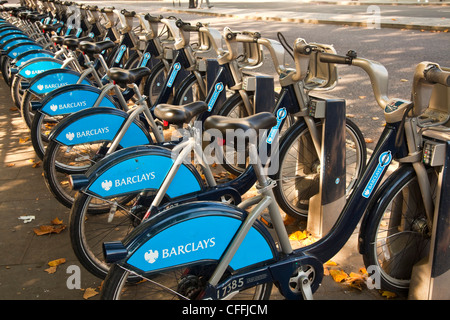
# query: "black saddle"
[124,76]
[51,27]
[179,115]
[259,121]
[91,48]
[73,42]
[58,40]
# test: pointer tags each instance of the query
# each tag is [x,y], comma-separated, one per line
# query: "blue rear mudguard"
[191,234]
[98,125]
[27,56]
[17,49]
[71,99]
[136,169]
[50,80]
[34,66]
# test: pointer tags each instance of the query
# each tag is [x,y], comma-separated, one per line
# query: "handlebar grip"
[186,26]
[107,10]
[127,13]
[436,75]
[334,58]
[150,18]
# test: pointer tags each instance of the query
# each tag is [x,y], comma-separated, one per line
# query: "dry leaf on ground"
[48,229]
[388,294]
[57,262]
[298,235]
[338,275]
[89,293]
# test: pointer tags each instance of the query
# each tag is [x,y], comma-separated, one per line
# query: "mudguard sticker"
[218,88]
[144,172]
[55,80]
[281,114]
[33,69]
[383,161]
[73,101]
[203,238]
[173,75]
[101,127]
[21,49]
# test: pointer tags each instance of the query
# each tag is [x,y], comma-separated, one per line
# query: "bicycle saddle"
[179,115]
[58,40]
[263,120]
[89,47]
[51,27]
[123,77]
[72,42]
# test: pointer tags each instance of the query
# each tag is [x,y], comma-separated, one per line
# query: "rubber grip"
[333,58]
[436,75]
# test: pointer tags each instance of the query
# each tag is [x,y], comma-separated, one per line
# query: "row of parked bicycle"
[99,87]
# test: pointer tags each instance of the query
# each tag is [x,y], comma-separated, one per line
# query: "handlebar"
[186,26]
[435,75]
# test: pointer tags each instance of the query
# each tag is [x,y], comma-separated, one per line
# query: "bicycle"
[206,250]
[174,181]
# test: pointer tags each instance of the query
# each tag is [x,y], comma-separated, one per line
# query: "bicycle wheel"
[88,231]
[190,91]
[41,127]
[17,91]
[25,107]
[180,283]
[299,169]
[155,83]
[396,234]
[60,161]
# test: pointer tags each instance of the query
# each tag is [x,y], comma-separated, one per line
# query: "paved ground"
[25,255]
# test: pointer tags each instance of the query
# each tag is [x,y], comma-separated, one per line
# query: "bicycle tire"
[114,286]
[25,107]
[189,91]
[40,129]
[89,253]
[153,82]
[56,176]
[395,236]
[306,166]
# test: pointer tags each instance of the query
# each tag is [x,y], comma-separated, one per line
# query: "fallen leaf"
[50,270]
[350,115]
[388,294]
[362,97]
[375,118]
[57,262]
[338,275]
[363,271]
[56,221]
[330,263]
[9,165]
[48,229]
[36,164]
[23,140]
[368,140]
[89,293]
[404,80]
[298,235]
[355,280]
[13,109]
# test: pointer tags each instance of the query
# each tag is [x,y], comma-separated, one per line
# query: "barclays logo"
[70,136]
[106,185]
[151,256]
